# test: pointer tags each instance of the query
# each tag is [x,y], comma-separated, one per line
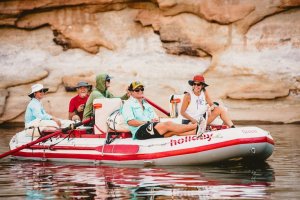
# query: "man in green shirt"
[101,91]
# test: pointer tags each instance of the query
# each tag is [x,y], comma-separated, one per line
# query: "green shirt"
[98,93]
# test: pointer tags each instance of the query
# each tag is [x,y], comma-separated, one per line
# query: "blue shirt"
[132,109]
[35,110]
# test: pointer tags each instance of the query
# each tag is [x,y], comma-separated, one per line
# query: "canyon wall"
[248,50]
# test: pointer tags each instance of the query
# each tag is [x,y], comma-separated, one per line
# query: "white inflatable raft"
[84,145]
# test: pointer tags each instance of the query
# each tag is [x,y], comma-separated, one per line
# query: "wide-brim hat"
[135,85]
[198,78]
[83,84]
[36,88]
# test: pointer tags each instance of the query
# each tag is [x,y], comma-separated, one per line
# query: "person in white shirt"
[198,101]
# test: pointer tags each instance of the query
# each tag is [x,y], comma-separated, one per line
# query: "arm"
[129,116]
[185,104]
[153,117]
[71,109]
[88,109]
[71,114]
[135,122]
[125,96]
[208,98]
[76,111]
[39,113]
[109,94]
[210,103]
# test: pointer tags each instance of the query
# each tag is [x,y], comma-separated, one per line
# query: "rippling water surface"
[277,178]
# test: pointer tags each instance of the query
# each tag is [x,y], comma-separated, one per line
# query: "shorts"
[185,121]
[147,131]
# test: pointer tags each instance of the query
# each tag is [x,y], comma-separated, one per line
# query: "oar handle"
[157,107]
[72,126]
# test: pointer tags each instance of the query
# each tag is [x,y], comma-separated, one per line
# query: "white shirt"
[197,106]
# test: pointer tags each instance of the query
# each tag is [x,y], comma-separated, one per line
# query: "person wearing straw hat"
[35,109]
[198,101]
[77,103]
[143,121]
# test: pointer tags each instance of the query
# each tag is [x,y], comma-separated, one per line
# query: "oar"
[108,148]
[157,107]
[72,126]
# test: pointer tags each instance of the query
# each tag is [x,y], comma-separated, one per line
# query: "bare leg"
[218,111]
[75,117]
[165,127]
[170,134]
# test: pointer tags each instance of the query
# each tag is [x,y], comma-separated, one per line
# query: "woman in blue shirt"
[35,109]
[143,121]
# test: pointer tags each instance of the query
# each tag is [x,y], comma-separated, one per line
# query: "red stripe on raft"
[155,155]
[110,148]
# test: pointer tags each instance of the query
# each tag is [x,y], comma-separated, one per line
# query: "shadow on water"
[40,180]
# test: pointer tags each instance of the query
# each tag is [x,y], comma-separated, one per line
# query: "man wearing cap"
[77,103]
[143,121]
[35,109]
[101,91]
[198,101]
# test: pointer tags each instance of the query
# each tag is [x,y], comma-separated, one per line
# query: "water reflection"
[39,180]
[279,178]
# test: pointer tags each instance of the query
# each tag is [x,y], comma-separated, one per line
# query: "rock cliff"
[248,50]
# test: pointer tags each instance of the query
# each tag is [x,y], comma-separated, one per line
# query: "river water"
[277,178]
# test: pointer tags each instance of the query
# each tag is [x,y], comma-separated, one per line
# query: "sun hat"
[83,84]
[135,85]
[198,78]
[37,87]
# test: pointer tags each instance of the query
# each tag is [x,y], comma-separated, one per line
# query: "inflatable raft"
[109,142]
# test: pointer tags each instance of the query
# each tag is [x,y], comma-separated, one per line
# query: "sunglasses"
[138,90]
[198,84]
[41,91]
[107,80]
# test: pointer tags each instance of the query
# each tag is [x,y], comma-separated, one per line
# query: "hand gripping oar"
[158,107]
[72,126]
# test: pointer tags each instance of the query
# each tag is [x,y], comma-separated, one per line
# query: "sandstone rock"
[223,12]
[25,74]
[188,34]
[276,31]
[262,10]
[3,96]
[70,29]
[16,103]
[249,56]
[259,94]
[70,82]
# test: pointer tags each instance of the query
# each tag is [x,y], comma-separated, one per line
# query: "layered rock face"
[248,50]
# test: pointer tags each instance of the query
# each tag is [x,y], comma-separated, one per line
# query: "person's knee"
[75,117]
[162,127]
[168,123]
[222,110]
[219,110]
